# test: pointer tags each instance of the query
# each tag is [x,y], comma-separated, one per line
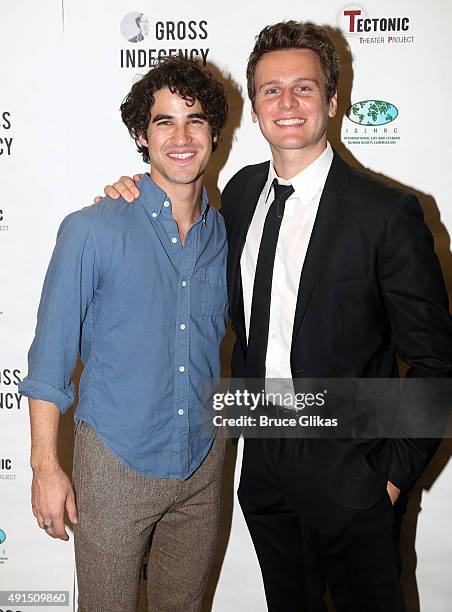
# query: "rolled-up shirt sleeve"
[68,292]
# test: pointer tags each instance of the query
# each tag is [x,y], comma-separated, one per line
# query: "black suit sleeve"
[417,303]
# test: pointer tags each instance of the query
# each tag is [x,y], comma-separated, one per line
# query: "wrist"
[44,464]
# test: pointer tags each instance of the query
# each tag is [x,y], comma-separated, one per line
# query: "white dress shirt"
[293,240]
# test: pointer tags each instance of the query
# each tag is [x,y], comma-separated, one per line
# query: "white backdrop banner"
[33,183]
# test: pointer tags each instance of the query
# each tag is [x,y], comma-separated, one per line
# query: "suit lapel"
[329,216]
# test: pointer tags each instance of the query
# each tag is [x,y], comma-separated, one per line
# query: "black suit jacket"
[370,287]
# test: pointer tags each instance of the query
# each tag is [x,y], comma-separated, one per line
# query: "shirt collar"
[154,198]
[309,181]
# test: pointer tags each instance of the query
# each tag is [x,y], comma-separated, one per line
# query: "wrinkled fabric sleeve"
[69,288]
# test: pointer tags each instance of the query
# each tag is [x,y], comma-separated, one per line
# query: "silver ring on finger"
[48,526]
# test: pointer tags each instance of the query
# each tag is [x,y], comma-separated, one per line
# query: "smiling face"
[291,105]
[179,140]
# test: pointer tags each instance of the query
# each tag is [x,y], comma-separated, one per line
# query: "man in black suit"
[330,275]
[369,286]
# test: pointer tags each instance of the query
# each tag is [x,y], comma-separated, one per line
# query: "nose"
[287,99]
[181,135]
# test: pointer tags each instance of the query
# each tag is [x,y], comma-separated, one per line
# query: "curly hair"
[184,77]
[295,35]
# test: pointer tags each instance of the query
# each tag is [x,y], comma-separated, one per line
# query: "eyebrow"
[278,82]
[162,117]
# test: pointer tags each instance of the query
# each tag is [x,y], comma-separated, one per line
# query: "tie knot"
[282,192]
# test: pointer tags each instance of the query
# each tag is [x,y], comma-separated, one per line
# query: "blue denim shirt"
[147,316]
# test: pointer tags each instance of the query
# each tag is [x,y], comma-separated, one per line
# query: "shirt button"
[154,214]
[274,337]
[184,283]
[180,411]
[181,369]
[166,204]
[182,326]
[174,240]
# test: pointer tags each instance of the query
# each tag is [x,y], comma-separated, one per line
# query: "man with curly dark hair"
[180,76]
[142,290]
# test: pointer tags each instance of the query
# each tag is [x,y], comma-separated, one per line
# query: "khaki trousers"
[122,512]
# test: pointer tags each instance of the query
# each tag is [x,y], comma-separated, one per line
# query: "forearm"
[44,419]
[51,489]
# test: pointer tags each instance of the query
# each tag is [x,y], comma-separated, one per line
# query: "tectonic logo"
[6,466]
[163,38]
[372,112]
[2,536]
[3,226]
[354,20]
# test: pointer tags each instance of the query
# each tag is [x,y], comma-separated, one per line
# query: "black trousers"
[305,539]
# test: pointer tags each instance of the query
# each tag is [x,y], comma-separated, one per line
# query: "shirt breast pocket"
[214,295]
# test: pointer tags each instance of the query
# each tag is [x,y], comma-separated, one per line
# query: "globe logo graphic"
[372,112]
[2,536]
[134,27]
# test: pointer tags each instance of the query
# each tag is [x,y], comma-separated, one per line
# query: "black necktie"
[260,305]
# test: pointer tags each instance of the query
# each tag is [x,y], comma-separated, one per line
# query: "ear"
[254,116]
[215,139]
[332,110]
[142,140]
